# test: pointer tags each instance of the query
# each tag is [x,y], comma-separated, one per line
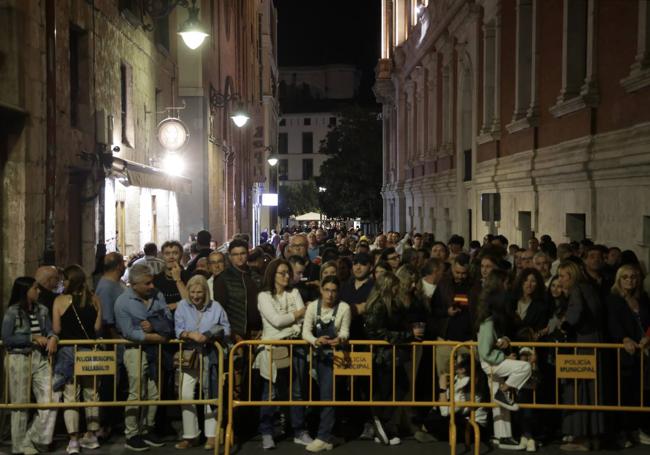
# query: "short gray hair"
[138,271]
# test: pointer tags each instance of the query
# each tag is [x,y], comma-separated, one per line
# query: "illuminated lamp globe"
[240,117]
[191,31]
[272,161]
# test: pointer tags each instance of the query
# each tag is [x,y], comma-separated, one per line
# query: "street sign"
[352,363]
[94,363]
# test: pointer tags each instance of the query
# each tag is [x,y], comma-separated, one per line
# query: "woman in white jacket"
[282,311]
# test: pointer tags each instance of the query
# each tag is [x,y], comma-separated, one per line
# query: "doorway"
[525,227]
[576,226]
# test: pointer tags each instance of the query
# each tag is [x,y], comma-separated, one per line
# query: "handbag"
[280,356]
[187,359]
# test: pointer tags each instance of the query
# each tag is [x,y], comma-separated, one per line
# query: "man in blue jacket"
[141,315]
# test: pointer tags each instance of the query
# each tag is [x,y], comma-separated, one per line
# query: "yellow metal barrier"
[248,349]
[111,347]
[577,362]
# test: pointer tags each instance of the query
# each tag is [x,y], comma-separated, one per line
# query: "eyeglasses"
[283,273]
[216,262]
[393,258]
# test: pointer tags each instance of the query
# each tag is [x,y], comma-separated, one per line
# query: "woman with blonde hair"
[385,319]
[200,322]
[584,321]
[628,310]
[76,315]
[411,297]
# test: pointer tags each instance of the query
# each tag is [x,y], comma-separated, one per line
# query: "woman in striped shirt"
[28,337]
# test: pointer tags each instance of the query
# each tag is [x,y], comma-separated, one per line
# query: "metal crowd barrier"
[359,356]
[106,360]
[575,364]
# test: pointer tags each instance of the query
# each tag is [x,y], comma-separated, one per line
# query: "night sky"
[319,32]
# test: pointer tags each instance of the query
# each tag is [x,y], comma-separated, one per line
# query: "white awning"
[144,176]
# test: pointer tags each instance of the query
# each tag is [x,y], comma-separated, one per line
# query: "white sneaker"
[318,445]
[644,438]
[380,433]
[303,439]
[89,442]
[267,442]
[394,441]
[531,445]
[73,447]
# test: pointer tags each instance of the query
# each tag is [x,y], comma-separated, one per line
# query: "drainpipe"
[49,256]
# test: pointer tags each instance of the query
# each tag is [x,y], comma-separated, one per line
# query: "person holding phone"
[326,326]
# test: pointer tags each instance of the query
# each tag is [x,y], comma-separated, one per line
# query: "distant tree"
[352,173]
[297,198]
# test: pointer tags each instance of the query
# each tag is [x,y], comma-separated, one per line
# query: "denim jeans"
[324,369]
[280,391]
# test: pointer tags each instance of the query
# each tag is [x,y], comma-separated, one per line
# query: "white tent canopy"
[310,216]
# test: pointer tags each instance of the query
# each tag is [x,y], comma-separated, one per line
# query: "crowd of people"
[326,287]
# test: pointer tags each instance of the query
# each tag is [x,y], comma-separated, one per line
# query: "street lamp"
[240,117]
[272,161]
[191,31]
[220,100]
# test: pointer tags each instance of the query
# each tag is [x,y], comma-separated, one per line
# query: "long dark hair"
[268,284]
[497,306]
[495,285]
[556,305]
[19,290]
[77,286]
[518,287]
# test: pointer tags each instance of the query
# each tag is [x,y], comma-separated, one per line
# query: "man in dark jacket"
[452,308]
[236,290]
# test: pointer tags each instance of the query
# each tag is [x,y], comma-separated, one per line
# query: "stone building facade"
[83,87]
[517,117]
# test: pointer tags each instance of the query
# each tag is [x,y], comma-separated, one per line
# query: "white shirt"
[522,308]
[211,286]
[342,321]
[427,288]
[278,322]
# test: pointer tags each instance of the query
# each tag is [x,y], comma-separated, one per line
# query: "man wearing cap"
[203,239]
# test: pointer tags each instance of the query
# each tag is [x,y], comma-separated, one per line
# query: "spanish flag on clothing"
[461,300]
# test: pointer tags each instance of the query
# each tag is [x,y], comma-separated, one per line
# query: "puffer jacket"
[236,290]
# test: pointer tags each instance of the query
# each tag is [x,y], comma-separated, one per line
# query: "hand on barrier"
[39,340]
[503,343]
[51,345]
[324,340]
[629,345]
[644,343]
[198,337]
[146,326]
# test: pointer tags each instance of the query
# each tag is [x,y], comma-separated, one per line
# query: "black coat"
[623,323]
[535,320]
